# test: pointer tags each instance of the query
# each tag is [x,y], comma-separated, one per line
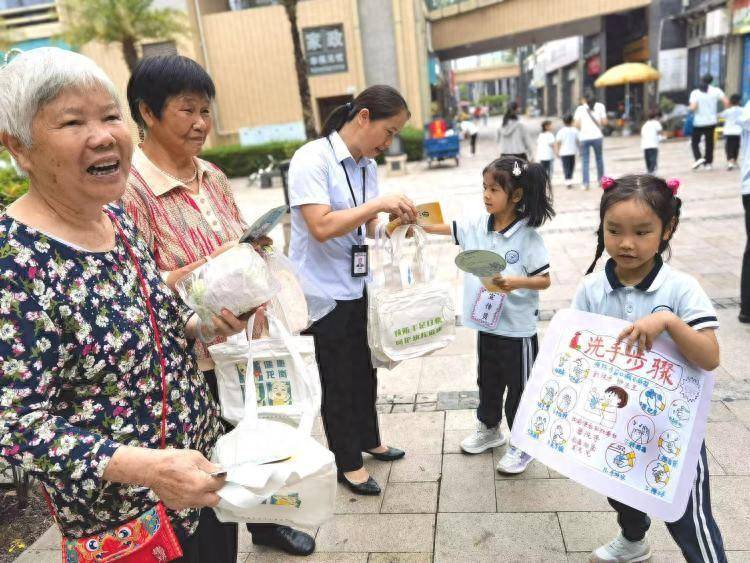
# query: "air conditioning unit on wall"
[717,23]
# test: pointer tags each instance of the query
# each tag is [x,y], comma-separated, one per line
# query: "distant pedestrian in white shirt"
[545,147]
[470,131]
[650,138]
[732,130]
[589,118]
[704,102]
[567,147]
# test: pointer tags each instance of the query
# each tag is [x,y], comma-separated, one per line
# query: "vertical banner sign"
[325,49]
[624,423]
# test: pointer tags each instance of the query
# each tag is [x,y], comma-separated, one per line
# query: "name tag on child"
[487,308]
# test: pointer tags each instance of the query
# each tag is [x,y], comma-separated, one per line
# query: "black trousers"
[503,363]
[732,146]
[568,163]
[213,386]
[547,167]
[652,157]
[474,143]
[695,533]
[213,541]
[745,276]
[349,383]
[695,140]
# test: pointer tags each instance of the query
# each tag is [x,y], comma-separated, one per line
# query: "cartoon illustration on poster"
[624,422]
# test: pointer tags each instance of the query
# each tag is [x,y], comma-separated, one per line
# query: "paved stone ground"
[440,505]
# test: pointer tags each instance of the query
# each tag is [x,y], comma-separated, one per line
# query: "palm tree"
[127,22]
[5,42]
[300,65]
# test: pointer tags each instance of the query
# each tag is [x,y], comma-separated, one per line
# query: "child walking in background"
[732,130]
[545,147]
[638,217]
[518,199]
[567,147]
[650,138]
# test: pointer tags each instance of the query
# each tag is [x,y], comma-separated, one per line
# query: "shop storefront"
[706,41]
[741,27]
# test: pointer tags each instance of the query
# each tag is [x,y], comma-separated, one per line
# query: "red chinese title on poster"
[624,423]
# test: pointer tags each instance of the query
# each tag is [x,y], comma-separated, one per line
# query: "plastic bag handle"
[251,400]
[419,264]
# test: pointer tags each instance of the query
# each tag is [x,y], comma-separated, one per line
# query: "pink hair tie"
[607,183]
[674,185]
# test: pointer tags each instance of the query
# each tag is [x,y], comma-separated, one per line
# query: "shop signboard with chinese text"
[325,49]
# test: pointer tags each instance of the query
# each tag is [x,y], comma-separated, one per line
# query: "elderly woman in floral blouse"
[93,344]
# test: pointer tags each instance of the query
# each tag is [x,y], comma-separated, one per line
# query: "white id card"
[487,308]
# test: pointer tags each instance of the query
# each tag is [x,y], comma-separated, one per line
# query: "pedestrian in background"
[513,137]
[732,130]
[470,131]
[650,138]
[545,147]
[744,122]
[567,147]
[704,102]
[589,118]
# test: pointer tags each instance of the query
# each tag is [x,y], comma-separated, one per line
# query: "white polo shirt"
[663,289]
[317,177]
[707,104]
[525,254]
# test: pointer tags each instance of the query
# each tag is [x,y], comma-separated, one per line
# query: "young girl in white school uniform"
[518,198]
[639,215]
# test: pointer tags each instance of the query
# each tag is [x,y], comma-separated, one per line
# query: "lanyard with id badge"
[360,263]
[489,302]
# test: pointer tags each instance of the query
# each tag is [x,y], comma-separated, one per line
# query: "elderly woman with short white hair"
[100,397]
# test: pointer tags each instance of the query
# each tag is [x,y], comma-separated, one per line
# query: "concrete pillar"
[378,42]
[733,82]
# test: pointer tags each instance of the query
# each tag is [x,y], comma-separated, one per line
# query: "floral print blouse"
[80,374]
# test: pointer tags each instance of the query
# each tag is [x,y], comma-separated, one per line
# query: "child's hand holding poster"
[624,423]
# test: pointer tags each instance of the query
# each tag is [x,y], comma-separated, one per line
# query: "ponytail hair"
[382,102]
[510,113]
[652,191]
[599,247]
[706,80]
[536,199]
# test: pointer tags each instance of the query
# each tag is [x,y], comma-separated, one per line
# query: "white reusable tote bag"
[410,314]
[276,472]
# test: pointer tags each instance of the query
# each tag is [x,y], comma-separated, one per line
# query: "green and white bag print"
[409,313]
[279,389]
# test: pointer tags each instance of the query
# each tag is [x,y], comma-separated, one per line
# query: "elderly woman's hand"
[181,479]
[227,324]
[262,242]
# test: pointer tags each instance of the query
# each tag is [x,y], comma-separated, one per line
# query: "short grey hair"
[37,77]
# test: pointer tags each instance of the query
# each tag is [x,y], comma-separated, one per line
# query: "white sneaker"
[707,167]
[730,166]
[514,461]
[698,163]
[483,439]
[621,550]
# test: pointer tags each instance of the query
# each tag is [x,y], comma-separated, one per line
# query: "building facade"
[246,46]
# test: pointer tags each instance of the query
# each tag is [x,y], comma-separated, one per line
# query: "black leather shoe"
[369,487]
[391,455]
[286,539]
[744,318]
